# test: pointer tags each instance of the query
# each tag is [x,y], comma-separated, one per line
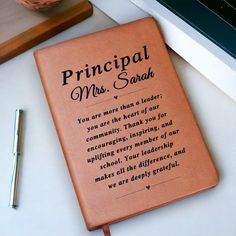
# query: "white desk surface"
[48,205]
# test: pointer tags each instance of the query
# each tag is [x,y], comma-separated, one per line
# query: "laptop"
[203,32]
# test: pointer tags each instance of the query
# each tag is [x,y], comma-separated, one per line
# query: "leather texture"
[194,170]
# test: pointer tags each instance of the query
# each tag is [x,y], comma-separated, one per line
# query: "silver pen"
[16,155]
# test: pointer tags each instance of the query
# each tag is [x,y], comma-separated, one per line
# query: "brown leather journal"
[126,129]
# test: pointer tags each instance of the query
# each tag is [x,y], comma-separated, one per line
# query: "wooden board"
[22,29]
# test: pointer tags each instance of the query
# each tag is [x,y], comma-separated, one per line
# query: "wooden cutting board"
[22,28]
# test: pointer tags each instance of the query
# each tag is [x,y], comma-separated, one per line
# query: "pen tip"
[13,206]
[19,110]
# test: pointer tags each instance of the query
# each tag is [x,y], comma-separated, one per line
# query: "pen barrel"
[17,131]
[14,182]
[16,154]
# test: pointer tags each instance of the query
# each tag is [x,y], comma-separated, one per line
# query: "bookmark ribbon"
[106,230]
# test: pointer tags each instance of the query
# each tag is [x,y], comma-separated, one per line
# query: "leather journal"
[127,132]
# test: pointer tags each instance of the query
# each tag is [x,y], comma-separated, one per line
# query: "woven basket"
[38,5]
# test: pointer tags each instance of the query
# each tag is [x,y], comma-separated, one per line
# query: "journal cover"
[126,129]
